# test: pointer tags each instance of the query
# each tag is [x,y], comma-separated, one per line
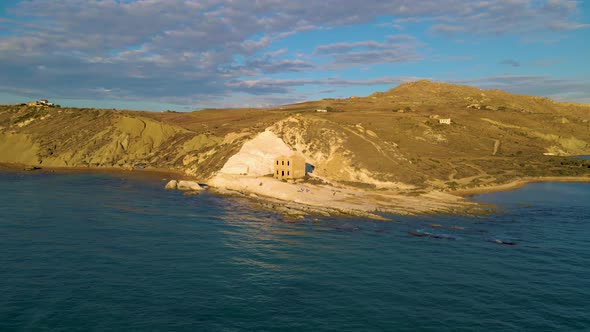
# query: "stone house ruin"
[289,167]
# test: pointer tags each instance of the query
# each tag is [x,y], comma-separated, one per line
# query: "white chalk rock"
[188,185]
[257,156]
[236,169]
[172,185]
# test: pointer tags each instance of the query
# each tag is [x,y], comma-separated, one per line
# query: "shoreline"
[362,203]
[518,183]
[148,172]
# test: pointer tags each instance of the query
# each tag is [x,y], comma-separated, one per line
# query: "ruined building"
[289,167]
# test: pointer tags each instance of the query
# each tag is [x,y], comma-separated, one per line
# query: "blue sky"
[190,54]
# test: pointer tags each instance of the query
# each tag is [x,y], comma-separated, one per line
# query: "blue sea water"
[99,252]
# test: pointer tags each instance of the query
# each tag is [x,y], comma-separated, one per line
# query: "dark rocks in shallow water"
[32,168]
[474,231]
[441,236]
[503,242]
[432,235]
[348,228]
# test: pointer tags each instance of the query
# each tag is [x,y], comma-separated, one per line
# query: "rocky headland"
[418,148]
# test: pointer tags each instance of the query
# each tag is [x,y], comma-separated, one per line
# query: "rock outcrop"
[172,185]
[256,157]
[184,185]
[188,185]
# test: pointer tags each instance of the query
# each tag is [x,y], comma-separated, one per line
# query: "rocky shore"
[297,200]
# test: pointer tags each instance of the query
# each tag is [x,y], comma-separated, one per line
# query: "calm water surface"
[82,252]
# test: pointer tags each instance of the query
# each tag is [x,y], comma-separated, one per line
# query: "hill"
[391,139]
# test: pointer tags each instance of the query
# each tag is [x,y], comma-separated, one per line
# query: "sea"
[105,252]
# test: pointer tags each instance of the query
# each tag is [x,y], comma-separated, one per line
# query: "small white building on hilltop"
[42,102]
[444,121]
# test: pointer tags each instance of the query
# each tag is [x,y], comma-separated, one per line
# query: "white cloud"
[396,48]
[268,85]
[537,85]
[510,17]
[510,62]
[190,50]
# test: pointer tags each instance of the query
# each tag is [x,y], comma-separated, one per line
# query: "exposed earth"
[387,152]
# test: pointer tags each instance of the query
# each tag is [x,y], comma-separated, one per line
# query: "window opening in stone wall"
[288,163]
[288,171]
[283,173]
[283,162]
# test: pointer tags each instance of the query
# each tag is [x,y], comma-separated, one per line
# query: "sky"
[189,54]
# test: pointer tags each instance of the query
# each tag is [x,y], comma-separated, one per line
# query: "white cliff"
[256,157]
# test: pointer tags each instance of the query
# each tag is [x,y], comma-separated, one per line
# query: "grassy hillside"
[391,137]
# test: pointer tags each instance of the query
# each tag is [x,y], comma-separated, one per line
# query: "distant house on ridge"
[42,102]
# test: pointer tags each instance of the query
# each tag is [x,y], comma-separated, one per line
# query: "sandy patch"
[341,199]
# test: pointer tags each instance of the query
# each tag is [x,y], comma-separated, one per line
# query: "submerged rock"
[431,235]
[503,242]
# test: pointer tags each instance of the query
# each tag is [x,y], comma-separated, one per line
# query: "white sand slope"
[246,171]
[256,157]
